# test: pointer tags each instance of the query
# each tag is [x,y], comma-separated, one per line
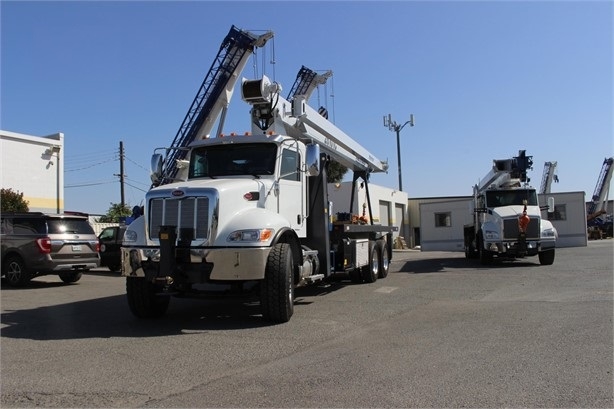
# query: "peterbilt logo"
[178,193]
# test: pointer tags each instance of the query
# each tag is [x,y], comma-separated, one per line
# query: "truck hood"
[515,211]
[227,187]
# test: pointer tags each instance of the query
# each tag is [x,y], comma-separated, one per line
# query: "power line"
[135,187]
[136,181]
[90,154]
[90,166]
[140,166]
[78,160]
[89,184]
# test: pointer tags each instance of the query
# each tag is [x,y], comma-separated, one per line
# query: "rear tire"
[546,258]
[143,298]
[371,271]
[277,288]
[15,272]
[384,259]
[71,277]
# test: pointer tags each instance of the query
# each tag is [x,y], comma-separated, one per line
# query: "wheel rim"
[291,281]
[385,261]
[14,272]
[290,289]
[374,262]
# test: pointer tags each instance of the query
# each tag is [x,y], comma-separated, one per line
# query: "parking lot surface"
[439,331]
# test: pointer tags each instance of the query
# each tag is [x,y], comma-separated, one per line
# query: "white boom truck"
[507,220]
[250,214]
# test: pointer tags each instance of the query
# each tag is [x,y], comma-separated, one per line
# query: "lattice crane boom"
[213,95]
[600,196]
[548,177]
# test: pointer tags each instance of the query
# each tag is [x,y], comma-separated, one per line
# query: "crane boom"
[600,196]
[548,177]
[507,172]
[306,82]
[213,95]
[272,114]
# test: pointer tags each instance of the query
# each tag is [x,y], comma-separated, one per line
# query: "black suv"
[35,244]
[110,247]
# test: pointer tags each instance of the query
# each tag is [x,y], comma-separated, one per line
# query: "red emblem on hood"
[178,193]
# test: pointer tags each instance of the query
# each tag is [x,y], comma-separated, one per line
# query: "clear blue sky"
[483,80]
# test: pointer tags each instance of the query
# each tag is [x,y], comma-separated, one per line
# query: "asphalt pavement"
[439,331]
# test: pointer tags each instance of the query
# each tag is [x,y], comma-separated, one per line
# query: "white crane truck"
[250,214]
[507,220]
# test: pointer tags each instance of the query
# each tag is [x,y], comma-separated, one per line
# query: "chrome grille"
[510,228]
[190,212]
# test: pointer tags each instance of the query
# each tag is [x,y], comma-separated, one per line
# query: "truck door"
[291,192]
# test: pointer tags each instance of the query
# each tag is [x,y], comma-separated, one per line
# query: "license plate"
[76,247]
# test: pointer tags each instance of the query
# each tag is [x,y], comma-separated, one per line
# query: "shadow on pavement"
[448,265]
[108,317]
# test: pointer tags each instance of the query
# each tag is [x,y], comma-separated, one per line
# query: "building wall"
[569,218]
[440,234]
[446,236]
[413,216]
[34,166]
[389,206]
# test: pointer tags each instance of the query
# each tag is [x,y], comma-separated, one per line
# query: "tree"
[13,201]
[335,172]
[114,213]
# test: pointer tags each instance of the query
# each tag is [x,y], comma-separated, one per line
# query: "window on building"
[443,219]
[560,213]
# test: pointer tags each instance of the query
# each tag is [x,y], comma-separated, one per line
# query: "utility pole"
[393,126]
[121,173]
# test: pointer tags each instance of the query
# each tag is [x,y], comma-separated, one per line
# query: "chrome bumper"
[228,263]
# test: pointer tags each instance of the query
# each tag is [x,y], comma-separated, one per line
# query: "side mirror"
[313,160]
[551,204]
[157,160]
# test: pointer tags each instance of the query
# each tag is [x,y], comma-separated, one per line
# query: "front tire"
[71,277]
[277,288]
[15,272]
[143,298]
[470,252]
[114,268]
[485,255]
[546,258]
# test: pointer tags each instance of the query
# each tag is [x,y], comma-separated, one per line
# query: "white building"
[34,166]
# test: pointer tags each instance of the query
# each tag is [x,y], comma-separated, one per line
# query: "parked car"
[110,247]
[36,244]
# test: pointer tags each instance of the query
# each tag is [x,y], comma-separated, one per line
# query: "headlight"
[254,235]
[491,235]
[130,235]
[548,233]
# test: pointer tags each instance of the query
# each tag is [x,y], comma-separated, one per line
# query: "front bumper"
[204,265]
[518,249]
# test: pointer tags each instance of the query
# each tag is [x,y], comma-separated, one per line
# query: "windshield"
[496,198]
[74,226]
[233,159]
